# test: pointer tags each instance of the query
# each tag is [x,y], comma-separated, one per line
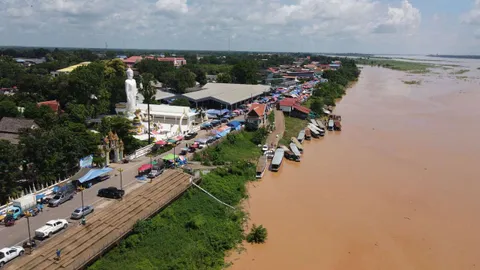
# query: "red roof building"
[257,116]
[301,109]
[176,61]
[53,104]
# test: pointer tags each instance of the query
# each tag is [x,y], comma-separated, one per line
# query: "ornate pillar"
[115,155]
[107,157]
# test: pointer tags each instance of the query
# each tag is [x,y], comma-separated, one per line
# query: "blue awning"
[93,173]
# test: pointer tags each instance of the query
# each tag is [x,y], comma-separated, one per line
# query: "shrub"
[257,235]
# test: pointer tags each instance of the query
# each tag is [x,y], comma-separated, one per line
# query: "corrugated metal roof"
[228,92]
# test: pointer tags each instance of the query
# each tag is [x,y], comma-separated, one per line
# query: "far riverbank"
[394,189]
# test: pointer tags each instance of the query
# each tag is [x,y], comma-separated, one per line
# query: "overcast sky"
[363,26]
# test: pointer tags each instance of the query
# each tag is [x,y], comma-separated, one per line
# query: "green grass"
[412,67]
[195,231]
[412,82]
[226,152]
[292,127]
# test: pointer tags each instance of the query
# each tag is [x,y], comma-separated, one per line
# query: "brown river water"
[397,188]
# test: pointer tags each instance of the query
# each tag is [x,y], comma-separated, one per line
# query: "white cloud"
[406,18]
[473,16]
[281,25]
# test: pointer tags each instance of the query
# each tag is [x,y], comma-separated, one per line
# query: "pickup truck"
[51,227]
[8,254]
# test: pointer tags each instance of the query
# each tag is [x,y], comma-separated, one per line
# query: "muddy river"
[398,188]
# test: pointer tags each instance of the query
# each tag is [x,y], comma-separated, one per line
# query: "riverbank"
[195,231]
[374,196]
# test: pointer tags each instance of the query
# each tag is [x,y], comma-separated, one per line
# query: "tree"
[147,90]
[155,67]
[200,74]
[317,105]
[8,108]
[179,80]
[77,112]
[257,235]
[245,72]
[224,78]
[181,102]
[9,170]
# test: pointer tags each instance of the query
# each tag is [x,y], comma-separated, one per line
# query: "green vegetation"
[412,67]
[338,80]
[412,82]
[195,231]
[236,147]
[257,235]
[292,127]
[462,77]
[460,72]
[181,102]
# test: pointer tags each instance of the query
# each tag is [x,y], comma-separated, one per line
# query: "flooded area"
[397,188]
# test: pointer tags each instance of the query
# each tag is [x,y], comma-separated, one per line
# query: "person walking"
[58,254]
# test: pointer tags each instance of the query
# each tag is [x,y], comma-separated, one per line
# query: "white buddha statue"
[132,91]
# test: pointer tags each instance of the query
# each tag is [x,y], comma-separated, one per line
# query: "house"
[69,69]
[176,61]
[10,128]
[257,116]
[53,104]
[286,104]
[299,111]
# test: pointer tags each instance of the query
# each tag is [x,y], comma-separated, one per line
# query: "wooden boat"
[315,134]
[301,136]
[308,134]
[277,159]
[261,166]
[320,131]
[337,125]
[297,143]
[330,125]
[313,122]
[295,151]
[320,124]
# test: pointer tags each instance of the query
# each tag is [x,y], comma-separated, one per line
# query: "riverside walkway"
[82,244]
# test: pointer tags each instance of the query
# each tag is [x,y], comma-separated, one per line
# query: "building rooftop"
[11,127]
[71,68]
[228,93]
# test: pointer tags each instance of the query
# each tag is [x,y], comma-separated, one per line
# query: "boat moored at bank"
[261,166]
[297,143]
[277,159]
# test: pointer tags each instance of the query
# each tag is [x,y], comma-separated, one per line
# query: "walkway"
[279,128]
[82,244]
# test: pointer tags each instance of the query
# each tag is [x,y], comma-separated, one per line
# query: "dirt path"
[279,128]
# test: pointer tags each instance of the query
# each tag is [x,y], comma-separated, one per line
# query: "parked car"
[154,173]
[8,254]
[264,147]
[60,198]
[111,192]
[190,135]
[51,227]
[269,154]
[79,212]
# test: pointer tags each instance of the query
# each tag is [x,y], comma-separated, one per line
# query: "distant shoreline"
[455,56]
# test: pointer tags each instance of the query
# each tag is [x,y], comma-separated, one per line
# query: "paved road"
[18,233]
[279,128]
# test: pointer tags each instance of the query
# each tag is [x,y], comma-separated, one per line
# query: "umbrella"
[161,142]
[172,141]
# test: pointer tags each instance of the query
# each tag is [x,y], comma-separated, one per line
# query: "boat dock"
[82,244]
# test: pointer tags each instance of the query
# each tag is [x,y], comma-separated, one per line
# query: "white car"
[264,147]
[51,227]
[8,254]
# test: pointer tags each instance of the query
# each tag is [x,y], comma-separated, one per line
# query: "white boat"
[295,150]
[320,123]
[277,159]
[330,124]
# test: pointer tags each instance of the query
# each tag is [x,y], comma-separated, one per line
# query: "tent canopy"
[145,167]
[170,157]
[161,142]
[93,173]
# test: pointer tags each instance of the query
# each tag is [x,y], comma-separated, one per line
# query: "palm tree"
[148,92]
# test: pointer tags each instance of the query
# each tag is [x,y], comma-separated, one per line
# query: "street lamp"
[27,215]
[84,221]
[121,179]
